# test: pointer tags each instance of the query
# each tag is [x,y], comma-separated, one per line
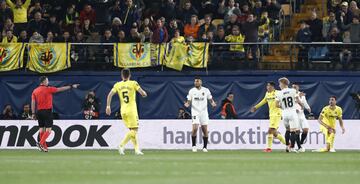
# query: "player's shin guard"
[270,138]
[193,140]
[287,137]
[126,139]
[134,140]
[205,139]
[303,137]
[281,138]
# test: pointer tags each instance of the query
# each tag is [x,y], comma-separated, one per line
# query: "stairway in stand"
[280,54]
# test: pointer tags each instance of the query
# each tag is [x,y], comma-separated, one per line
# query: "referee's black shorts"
[45,118]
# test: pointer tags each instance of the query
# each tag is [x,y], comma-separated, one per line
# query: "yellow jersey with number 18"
[127,95]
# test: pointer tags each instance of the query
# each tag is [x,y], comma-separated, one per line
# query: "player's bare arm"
[65,88]
[33,105]
[108,102]
[142,92]
[342,125]
[213,103]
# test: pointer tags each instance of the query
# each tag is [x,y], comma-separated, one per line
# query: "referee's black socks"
[205,141]
[193,140]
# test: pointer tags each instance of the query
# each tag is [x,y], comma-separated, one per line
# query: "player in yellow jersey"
[274,113]
[126,89]
[327,120]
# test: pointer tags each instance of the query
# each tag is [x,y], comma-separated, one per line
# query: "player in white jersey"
[198,98]
[286,100]
[304,125]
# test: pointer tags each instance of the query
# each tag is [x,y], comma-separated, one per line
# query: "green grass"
[177,167]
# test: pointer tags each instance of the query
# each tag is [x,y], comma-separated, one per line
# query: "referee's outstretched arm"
[64,88]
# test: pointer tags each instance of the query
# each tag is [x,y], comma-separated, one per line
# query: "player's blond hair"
[284,80]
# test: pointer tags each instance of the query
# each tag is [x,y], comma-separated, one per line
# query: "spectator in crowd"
[345,13]
[88,13]
[230,9]
[220,38]
[116,26]
[91,106]
[264,33]
[108,50]
[66,37]
[169,10]
[236,51]
[70,17]
[9,25]
[93,49]
[23,37]
[129,15]
[148,22]
[245,12]
[232,22]
[187,12]
[207,26]
[177,37]
[135,36]
[10,37]
[227,107]
[173,26]
[354,8]
[160,34]
[79,53]
[303,35]
[5,13]
[50,37]
[251,30]
[208,7]
[37,24]
[77,27]
[192,29]
[354,29]
[182,114]
[115,10]
[26,113]
[334,36]
[328,23]
[273,8]
[20,13]
[8,113]
[121,37]
[146,35]
[36,38]
[345,55]
[258,8]
[35,8]
[53,25]
[315,26]
[87,28]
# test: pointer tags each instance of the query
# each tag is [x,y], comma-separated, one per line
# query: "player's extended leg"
[45,135]
[194,131]
[304,134]
[125,140]
[205,136]
[135,141]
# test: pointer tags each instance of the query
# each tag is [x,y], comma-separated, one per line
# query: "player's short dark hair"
[296,83]
[230,93]
[197,77]
[334,97]
[125,73]
[42,79]
[271,83]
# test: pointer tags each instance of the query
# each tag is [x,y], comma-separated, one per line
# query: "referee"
[41,98]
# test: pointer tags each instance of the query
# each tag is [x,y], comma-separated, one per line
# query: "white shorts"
[303,121]
[202,119]
[290,119]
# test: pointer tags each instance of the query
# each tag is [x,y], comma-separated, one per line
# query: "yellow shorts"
[275,121]
[130,120]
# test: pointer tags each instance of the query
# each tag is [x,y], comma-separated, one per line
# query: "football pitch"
[177,167]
